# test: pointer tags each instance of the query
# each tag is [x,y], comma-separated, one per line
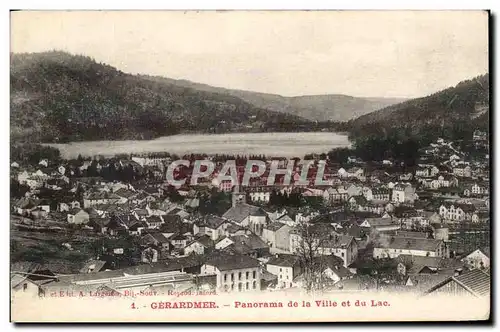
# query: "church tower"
[237,196]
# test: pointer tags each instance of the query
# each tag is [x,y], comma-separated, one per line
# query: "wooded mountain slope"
[58,97]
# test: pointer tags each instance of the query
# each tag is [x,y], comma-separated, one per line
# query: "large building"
[234,273]
[394,246]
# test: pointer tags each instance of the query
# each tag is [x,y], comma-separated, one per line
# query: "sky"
[403,54]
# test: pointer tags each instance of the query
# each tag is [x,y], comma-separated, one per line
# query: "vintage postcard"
[249,166]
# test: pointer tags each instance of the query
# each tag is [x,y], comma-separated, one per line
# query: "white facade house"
[403,193]
[410,246]
[478,259]
[234,273]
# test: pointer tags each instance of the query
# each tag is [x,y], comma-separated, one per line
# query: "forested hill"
[58,97]
[450,113]
[328,107]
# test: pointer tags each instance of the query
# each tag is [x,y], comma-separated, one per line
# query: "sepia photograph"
[249,166]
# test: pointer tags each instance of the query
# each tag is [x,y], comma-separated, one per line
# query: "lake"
[269,144]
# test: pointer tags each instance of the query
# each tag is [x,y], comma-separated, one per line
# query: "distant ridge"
[330,107]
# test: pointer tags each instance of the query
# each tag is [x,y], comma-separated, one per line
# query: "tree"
[149,255]
[311,241]
[18,190]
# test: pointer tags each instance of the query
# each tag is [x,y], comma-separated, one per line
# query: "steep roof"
[411,244]
[94,265]
[204,240]
[251,240]
[240,211]
[213,222]
[283,260]
[338,241]
[126,193]
[380,222]
[274,226]
[232,262]
[474,281]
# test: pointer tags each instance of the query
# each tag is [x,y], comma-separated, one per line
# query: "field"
[44,244]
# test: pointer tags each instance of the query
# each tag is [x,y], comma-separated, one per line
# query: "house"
[125,195]
[343,246]
[247,215]
[78,216]
[354,190]
[179,241]
[282,217]
[23,176]
[99,225]
[93,266]
[403,193]
[213,226]
[342,173]
[247,244]
[367,193]
[332,195]
[478,259]
[153,221]
[100,198]
[356,172]
[116,226]
[475,283]
[192,203]
[357,203]
[277,235]
[317,231]
[462,171]
[156,239]
[66,206]
[234,272]
[135,227]
[260,193]
[479,135]
[381,194]
[480,189]
[419,283]
[38,213]
[199,246]
[28,277]
[406,176]
[286,267]
[411,265]
[25,205]
[28,287]
[440,181]
[333,269]
[423,235]
[394,246]
[380,224]
[426,171]
[351,159]
[456,211]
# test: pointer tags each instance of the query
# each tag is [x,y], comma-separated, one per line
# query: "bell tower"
[237,196]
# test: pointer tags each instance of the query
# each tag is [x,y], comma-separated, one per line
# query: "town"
[116,224]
